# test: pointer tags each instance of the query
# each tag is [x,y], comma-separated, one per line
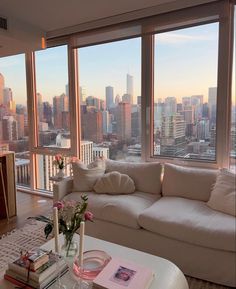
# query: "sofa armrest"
[62,188]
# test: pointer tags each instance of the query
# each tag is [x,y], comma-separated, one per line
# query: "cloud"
[179,38]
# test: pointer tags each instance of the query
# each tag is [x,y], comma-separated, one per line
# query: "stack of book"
[39,270]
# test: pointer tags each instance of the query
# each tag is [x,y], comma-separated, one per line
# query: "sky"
[185,65]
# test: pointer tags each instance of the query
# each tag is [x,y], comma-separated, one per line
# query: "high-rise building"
[212,95]
[139,99]
[9,128]
[173,135]
[124,121]
[109,97]
[2,85]
[186,101]
[105,122]
[130,87]
[170,106]
[196,99]
[126,98]
[136,124]
[7,95]
[40,106]
[86,152]
[117,99]
[47,113]
[82,93]
[203,131]
[91,124]
[67,89]
[57,118]
[60,104]
[20,118]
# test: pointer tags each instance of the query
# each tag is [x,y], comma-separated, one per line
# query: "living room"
[129,82]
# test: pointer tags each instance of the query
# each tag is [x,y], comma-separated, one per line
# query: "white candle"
[56,228]
[81,243]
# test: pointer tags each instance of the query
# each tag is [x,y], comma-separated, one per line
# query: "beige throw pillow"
[223,195]
[114,183]
[188,182]
[85,177]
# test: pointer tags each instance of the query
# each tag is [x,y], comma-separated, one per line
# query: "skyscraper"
[170,106]
[173,135]
[9,128]
[2,85]
[7,95]
[212,94]
[124,121]
[130,87]
[109,97]
[91,124]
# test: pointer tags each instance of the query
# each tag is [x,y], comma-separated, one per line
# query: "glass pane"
[233,112]
[51,67]
[14,134]
[45,169]
[110,101]
[185,92]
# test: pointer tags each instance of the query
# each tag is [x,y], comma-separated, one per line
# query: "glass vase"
[60,173]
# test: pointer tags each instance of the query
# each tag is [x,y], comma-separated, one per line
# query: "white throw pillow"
[114,183]
[223,195]
[84,177]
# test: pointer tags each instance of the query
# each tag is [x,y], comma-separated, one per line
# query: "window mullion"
[224,86]
[147,95]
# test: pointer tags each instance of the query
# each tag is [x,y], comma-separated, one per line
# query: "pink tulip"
[59,205]
[88,216]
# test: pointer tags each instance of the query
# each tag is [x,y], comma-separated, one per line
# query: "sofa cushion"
[114,183]
[190,221]
[223,195]
[188,182]
[146,176]
[119,209]
[84,178]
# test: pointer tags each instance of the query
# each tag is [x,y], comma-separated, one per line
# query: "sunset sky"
[185,65]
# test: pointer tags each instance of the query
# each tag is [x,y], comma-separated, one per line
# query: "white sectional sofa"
[167,216]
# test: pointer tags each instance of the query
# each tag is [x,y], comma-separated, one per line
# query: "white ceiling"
[28,20]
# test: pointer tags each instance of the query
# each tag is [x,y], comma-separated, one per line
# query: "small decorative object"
[60,163]
[93,263]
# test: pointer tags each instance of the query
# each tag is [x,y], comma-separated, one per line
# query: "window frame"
[223,11]
[225,49]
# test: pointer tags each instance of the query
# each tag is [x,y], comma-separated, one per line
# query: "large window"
[110,100]
[52,97]
[14,133]
[177,63]
[185,93]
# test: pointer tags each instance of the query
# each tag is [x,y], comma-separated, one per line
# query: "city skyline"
[104,65]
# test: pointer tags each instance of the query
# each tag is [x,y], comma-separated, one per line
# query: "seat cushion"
[190,221]
[146,176]
[223,195]
[119,209]
[188,182]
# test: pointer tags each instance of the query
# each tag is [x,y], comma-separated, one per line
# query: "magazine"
[123,274]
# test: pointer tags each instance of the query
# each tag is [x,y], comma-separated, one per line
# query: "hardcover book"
[19,281]
[20,268]
[123,274]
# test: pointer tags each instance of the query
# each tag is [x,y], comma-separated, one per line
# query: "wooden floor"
[28,205]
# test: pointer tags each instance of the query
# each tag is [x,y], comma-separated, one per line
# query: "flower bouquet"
[70,215]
